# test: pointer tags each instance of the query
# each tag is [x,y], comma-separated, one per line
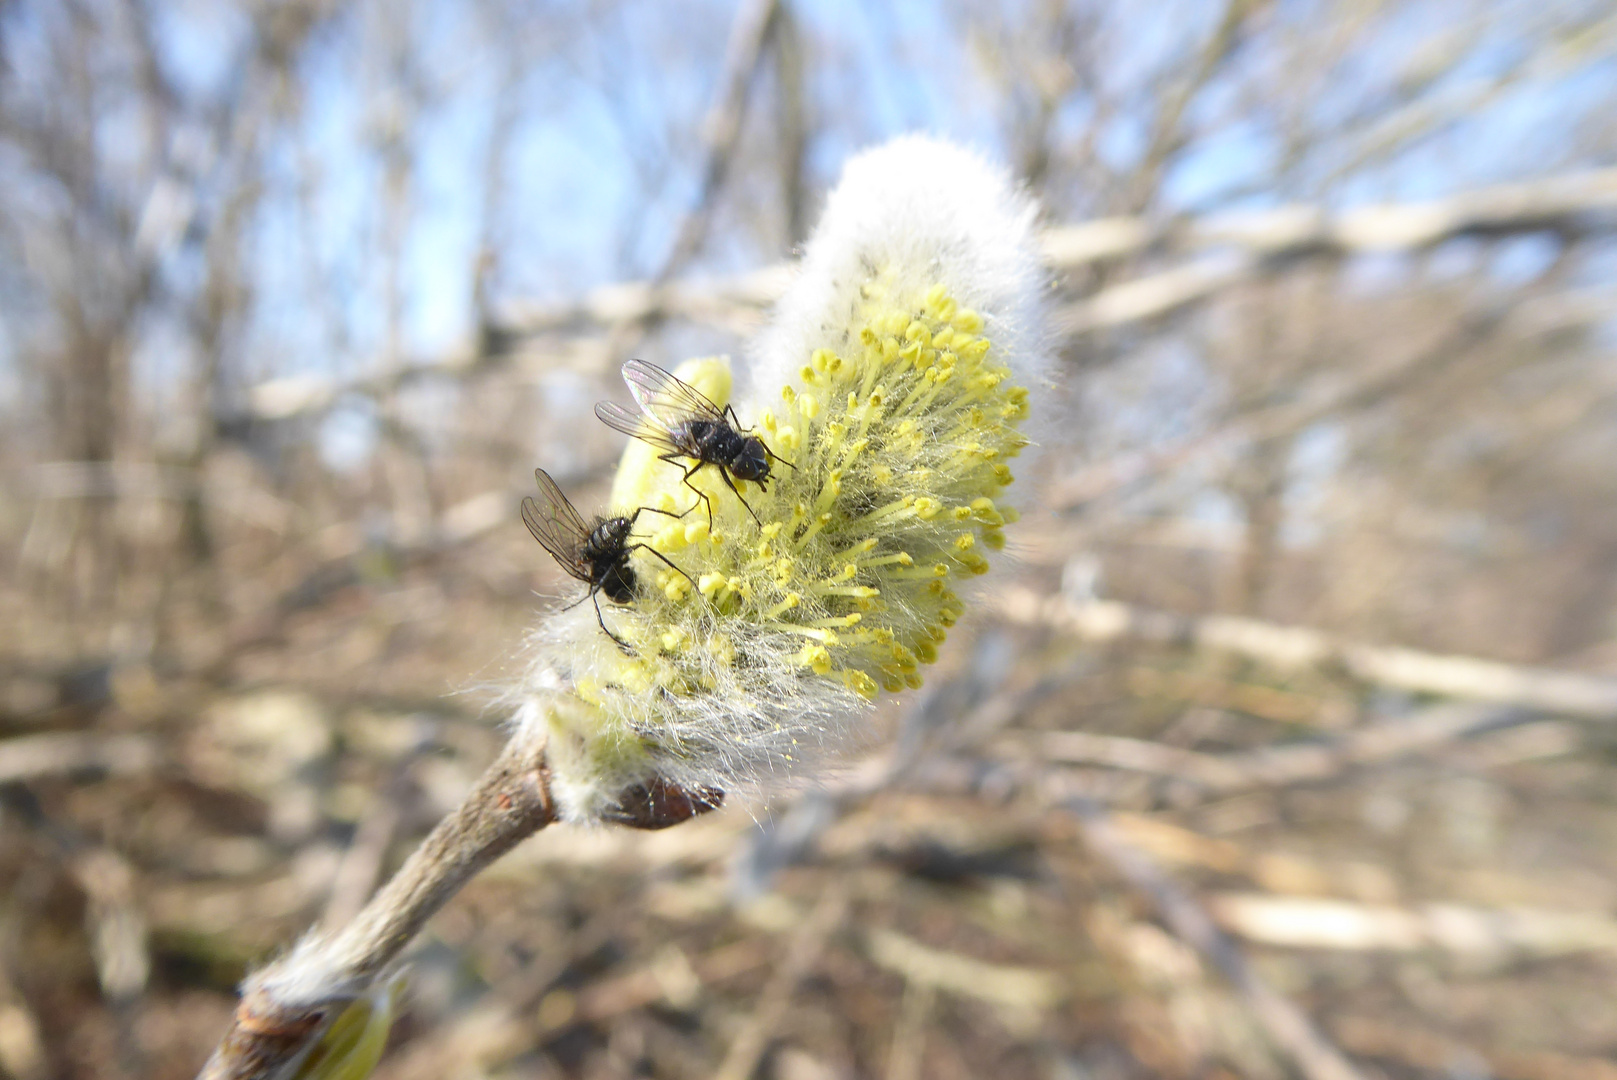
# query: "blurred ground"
[1449,909]
[1284,747]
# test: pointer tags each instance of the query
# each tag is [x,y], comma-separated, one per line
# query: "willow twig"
[273,1028]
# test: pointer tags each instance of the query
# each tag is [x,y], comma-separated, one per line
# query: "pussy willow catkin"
[894,381]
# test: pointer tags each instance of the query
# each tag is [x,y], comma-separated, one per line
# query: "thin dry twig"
[27,757]
[907,1050]
[806,947]
[1467,678]
[1287,1027]
[362,863]
[722,127]
[1306,922]
[1128,471]
[1273,766]
[22,1040]
[1434,1052]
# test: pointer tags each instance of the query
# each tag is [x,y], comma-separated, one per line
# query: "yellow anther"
[669,538]
[861,684]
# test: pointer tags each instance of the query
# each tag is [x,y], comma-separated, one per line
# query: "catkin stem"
[510,802]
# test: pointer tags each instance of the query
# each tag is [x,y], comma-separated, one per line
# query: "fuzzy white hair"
[932,212]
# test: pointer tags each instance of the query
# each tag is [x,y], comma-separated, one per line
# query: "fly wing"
[668,399]
[557,526]
[636,425]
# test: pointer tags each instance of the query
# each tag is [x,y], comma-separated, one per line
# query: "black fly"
[595,553]
[678,419]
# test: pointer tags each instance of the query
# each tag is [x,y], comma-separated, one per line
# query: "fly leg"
[731,484]
[624,645]
[672,459]
[660,555]
[699,492]
[653,510]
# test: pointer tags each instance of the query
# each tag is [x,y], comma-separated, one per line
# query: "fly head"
[749,460]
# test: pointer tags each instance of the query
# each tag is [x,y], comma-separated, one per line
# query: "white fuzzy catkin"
[938,213]
[886,379]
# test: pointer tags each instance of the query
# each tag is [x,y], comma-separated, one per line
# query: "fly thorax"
[609,536]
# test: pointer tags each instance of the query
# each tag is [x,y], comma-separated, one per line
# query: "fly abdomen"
[619,583]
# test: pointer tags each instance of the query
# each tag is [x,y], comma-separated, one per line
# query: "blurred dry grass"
[239,680]
[943,919]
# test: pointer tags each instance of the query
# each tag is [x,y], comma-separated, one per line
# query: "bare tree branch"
[1246,246]
[722,127]
[1467,678]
